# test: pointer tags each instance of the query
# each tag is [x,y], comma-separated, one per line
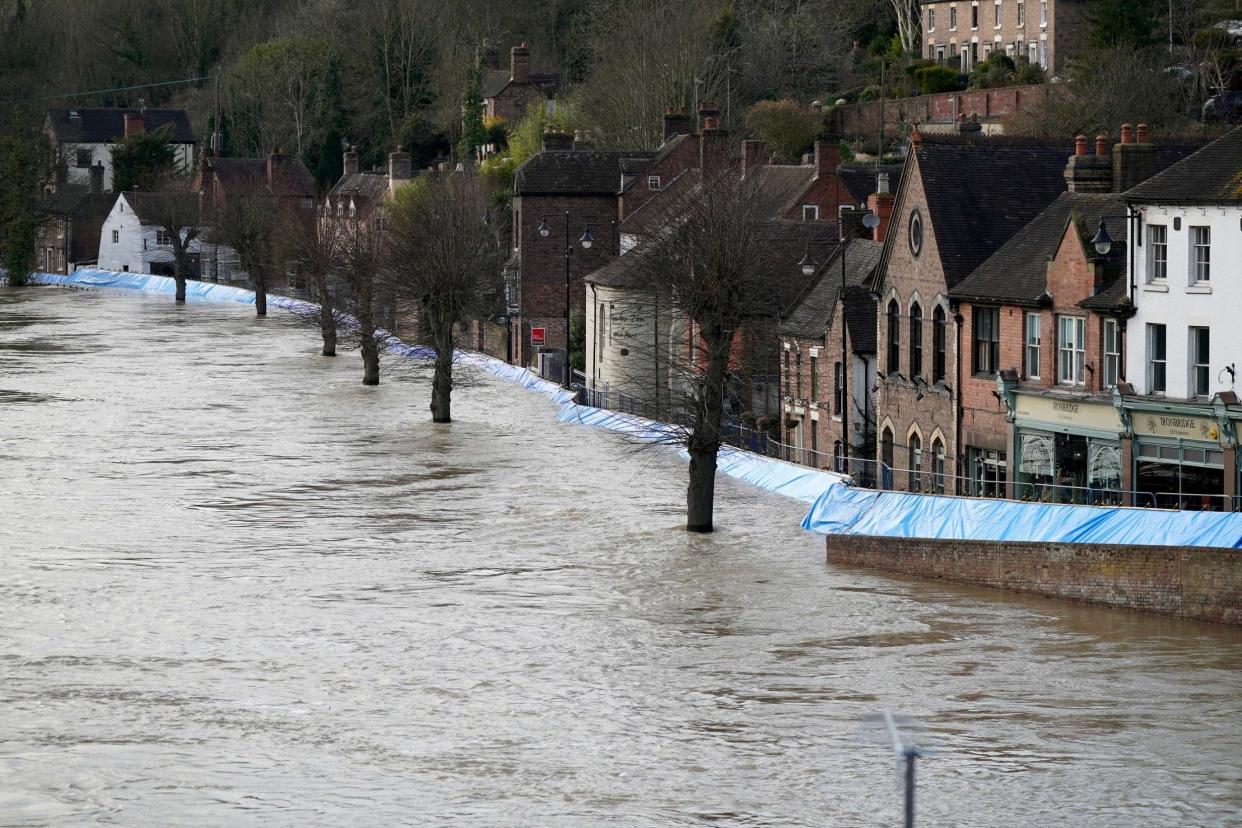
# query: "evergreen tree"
[331,164]
[473,133]
[143,159]
[23,163]
[1121,23]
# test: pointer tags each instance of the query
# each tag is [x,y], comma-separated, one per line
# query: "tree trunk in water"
[366,329]
[442,383]
[370,360]
[704,443]
[179,274]
[260,295]
[327,319]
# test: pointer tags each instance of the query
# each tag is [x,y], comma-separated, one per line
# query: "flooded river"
[237,587]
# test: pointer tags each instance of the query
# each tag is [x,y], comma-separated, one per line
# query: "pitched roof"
[980,191]
[860,179]
[495,81]
[1017,272]
[1213,174]
[362,187]
[574,172]
[237,175]
[860,317]
[78,200]
[812,313]
[103,126]
[782,185]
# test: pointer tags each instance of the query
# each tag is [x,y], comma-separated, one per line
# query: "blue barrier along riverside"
[836,507]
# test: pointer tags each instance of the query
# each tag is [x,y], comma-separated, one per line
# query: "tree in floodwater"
[723,270]
[313,244]
[175,209]
[359,259]
[444,253]
[251,224]
[24,165]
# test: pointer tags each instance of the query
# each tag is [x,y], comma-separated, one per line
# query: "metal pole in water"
[910,755]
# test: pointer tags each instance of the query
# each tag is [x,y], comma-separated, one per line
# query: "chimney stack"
[969,126]
[707,109]
[1086,173]
[491,58]
[827,157]
[519,62]
[351,166]
[713,147]
[881,203]
[676,122]
[399,169]
[754,154]
[275,164]
[1101,145]
[555,139]
[134,123]
[97,176]
[1133,161]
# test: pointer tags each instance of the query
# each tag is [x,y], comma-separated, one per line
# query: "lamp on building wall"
[587,239]
[807,263]
[1102,241]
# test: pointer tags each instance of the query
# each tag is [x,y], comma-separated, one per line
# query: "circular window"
[916,232]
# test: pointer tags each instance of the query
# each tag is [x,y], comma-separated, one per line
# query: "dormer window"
[810,212]
[353,211]
[653,183]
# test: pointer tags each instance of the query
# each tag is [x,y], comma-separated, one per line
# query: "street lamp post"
[586,241]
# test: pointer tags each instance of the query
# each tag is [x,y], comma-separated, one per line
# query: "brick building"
[83,138]
[967,32]
[75,214]
[509,93]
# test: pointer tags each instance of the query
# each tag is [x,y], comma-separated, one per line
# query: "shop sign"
[1175,425]
[536,336]
[1069,412]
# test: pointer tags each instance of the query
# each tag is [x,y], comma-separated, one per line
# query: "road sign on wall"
[536,336]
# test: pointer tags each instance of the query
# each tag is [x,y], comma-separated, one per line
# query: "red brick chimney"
[351,165]
[754,154]
[555,139]
[275,167]
[713,148]
[881,203]
[1087,173]
[707,109]
[134,123]
[519,62]
[827,158]
[1134,161]
[676,122]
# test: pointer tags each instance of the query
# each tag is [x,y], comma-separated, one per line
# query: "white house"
[131,241]
[83,138]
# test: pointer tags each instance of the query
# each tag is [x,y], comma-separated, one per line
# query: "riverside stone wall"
[1199,583]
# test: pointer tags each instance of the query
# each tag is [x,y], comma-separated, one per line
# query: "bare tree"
[175,210]
[907,14]
[712,265]
[444,254]
[358,257]
[313,242]
[251,224]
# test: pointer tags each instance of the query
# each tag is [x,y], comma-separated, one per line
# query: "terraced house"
[963,33]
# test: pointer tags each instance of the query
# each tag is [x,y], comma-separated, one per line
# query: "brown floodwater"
[237,587]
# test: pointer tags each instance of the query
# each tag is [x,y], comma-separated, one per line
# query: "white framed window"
[997,14]
[1032,55]
[1200,361]
[1071,350]
[1032,345]
[974,15]
[1157,252]
[931,20]
[1043,12]
[1156,358]
[1200,254]
[810,212]
[1021,13]
[1043,53]
[1112,352]
[162,238]
[116,236]
[653,183]
[953,18]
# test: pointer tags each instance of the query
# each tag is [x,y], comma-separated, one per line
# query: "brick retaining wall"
[1199,583]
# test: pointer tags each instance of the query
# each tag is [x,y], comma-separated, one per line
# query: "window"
[1043,53]
[1200,254]
[1156,359]
[810,212]
[987,340]
[916,340]
[915,233]
[599,332]
[83,158]
[988,470]
[788,376]
[916,463]
[1021,14]
[894,337]
[814,444]
[998,14]
[931,20]
[838,389]
[116,236]
[1200,360]
[886,454]
[974,16]
[1157,252]
[1071,350]
[653,183]
[1032,345]
[1112,352]
[814,379]
[798,375]
[937,466]
[938,339]
[162,238]
[1043,12]
[1032,56]
[953,17]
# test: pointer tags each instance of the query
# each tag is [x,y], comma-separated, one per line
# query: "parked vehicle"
[1224,106]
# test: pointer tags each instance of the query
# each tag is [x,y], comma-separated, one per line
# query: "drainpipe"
[594,342]
[957,402]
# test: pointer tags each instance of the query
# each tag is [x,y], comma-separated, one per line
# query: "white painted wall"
[102,154]
[1179,304]
[624,357]
[135,250]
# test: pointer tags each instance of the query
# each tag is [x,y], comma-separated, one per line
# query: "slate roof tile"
[103,126]
[1213,174]
[574,172]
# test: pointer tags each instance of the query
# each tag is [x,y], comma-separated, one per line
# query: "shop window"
[894,337]
[838,389]
[1071,350]
[814,379]
[1156,360]
[1112,352]
[1200,361]
[1032,345]
[987,341]
[916,340]
[916,463]
[938,339]
[1200,255]
[987,472]
[1157,252]
[1172,476]
[1068,468]
[938,466]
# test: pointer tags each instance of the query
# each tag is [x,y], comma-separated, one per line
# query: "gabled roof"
[362,187]
[78,200]
[146,206]
[103,126]
[574,172]
[812,313]
[860,179]
[496,80]
[782,185]
[1211,175]
[240,175]
[657,211]
[1017,273]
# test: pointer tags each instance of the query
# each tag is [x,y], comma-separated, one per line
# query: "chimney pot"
[134,123]
[399,167]
[97,176]
[1101,145]
[1127,134]
[1080,145]
[519,62]
[1142,137]
[351,166]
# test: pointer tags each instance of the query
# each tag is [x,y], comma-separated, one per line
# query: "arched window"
[886,457]
[838,457]
[938,466]
[938,327]
[916,340]
[916,463]
[894,337]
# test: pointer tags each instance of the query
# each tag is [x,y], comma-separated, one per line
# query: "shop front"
[1180,461]
[1068,450]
